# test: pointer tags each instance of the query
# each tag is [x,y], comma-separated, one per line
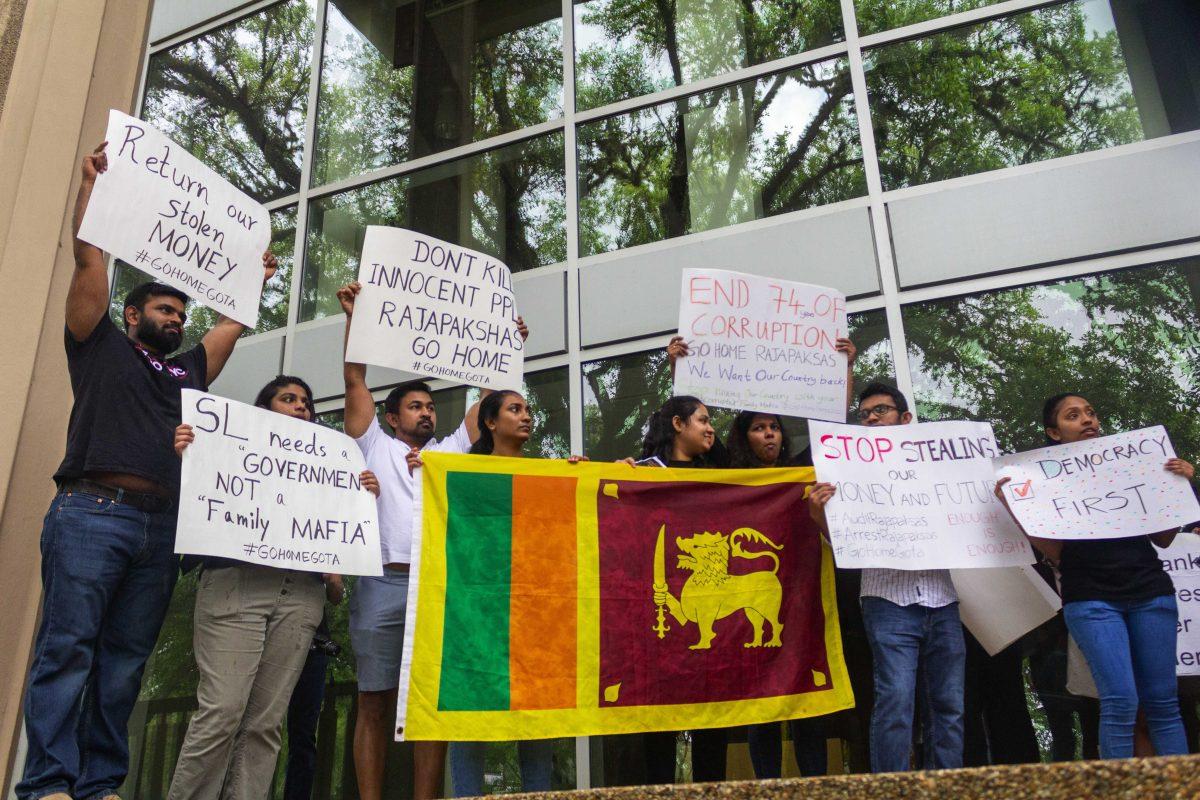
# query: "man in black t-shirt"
[108,562]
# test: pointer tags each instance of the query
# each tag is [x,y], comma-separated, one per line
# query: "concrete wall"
[74,60]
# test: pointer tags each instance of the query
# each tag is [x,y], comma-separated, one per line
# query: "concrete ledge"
[1128,779]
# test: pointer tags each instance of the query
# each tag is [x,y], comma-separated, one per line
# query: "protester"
[108,561]
[505,425]
[680,434]
[378,605]
[754,441]
[912,623]
[304,711]
[253,628]
[1119,605]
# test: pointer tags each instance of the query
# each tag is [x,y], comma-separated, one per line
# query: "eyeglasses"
[880,410]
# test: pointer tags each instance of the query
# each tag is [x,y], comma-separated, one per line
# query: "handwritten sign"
[1103,488]
[266,488]
[1182,562]
[162,210]
[435,309]
[762,344]
[915,496]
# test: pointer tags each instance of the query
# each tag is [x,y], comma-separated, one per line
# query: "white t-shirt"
[386,457]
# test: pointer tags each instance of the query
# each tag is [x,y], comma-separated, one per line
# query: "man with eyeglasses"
[913,627]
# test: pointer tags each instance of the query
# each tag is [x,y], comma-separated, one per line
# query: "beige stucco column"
[72,61]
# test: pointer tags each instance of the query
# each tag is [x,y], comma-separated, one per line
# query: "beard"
[161,340]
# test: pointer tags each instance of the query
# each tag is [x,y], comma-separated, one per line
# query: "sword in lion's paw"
[660,583]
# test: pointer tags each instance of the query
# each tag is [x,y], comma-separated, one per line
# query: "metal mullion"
[1048,274]
[443,157]
[282,202]
[310,146]
[715,82]
[583,762]
[888,280]
[187,34]
[938,24]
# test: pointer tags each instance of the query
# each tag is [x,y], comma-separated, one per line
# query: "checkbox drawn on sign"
[1021,491]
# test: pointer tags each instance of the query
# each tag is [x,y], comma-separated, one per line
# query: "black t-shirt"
[127,405]
[1112,569]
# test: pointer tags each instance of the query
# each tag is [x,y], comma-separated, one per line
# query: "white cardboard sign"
[270,489]
[1103,488]
[164,211]
[915,496]
[762,344]
[999,606]
[435,309]
[1182,562]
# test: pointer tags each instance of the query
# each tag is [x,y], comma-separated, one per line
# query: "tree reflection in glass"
[507,202]
[236,97]
[399,82]
[1039,85]
[880,15]
[1126,340]
[751,150]
[628,48]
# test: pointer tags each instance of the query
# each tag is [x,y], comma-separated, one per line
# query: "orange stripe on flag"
[542,611]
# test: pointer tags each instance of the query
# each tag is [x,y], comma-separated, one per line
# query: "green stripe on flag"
[478,580]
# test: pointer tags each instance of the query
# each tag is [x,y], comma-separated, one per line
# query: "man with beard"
[108,561]
[378,605]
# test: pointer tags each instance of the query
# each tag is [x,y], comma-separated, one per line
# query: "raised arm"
[360,405]
[844,345]
[677,348]
[87,299]
[221,337]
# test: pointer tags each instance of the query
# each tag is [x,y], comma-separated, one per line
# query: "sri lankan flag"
[571,600]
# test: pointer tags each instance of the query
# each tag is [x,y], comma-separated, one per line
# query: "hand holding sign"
[164,211]
[1108,487]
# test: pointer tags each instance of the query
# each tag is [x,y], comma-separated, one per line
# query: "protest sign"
[162,210]
[1182,562]
[1102,488]
[762,344]
[435,309]
[915,496]
[270,489]
[1001,605]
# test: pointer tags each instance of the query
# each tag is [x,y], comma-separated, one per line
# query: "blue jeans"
[466,766]
[1130,648]
[107,574]
[907,641]
[808,744]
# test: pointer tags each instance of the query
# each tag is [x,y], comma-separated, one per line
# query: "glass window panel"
[400,80]
[880,15]
[1125,340]
[236,97]
[620,394]
[628,48]
[751,150]
[276,295]
[506,202]
[1060,80]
